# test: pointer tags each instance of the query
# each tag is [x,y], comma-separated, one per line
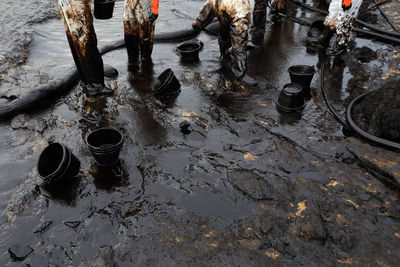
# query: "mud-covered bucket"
[302,75]
[166,84]
[105,145]
[189,50]
[57,163]
[103,9]
[291,98]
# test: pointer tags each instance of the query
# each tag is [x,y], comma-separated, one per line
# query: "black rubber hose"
[334,114]
[364,24]
[363,133]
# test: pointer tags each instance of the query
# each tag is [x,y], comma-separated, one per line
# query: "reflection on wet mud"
[109,178]
[65,193]
[141,76]
[289,118]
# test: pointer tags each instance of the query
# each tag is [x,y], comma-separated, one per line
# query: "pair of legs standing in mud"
[139,16]
[234,18]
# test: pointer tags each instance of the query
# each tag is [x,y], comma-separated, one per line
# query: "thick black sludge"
[219,177]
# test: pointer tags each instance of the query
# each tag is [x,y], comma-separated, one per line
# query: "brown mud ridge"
[241,185]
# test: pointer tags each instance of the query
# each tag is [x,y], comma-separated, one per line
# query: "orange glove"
[346,4]
[154,7]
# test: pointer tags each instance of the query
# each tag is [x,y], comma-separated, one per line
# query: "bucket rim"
[310,70]
[197,48]
[120,142]
[60,165]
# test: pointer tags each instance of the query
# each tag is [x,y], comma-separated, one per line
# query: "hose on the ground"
[333,112]
[362,23]
[363,133]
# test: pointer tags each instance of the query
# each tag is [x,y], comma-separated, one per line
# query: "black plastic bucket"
[166,84]
[57,163]
[103,9]
[189,50]
[302,75]
[291,98]
[105,145]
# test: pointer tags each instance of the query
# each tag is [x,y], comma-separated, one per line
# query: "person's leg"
[131,30]
[224,38]
[146,40]
[78,21]
[239,36]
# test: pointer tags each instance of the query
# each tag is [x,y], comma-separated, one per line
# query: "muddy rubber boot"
[94,89]
[335,49]
[247,79]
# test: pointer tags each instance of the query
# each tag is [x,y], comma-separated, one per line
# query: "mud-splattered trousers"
[139,28]
[234,18]
[342,20]
[260,11]
[78,22]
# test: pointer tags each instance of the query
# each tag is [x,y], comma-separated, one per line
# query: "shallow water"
[171,194]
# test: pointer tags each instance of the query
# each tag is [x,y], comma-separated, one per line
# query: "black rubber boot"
[94,89]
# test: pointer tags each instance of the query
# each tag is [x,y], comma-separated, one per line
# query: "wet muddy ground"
[246,185]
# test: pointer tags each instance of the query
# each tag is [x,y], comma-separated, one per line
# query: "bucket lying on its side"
[57,163]
[105,145]
[103,9]
[166,84]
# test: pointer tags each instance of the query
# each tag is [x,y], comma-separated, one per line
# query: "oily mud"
[378,112]
[242,184]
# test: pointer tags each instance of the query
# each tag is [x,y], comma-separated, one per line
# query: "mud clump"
[378,113]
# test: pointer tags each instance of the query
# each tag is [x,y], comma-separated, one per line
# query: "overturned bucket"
[291,98]
[103,9]
[105,145]
[166,84]
[57,163]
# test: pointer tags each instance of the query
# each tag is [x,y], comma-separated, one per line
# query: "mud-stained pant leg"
[259,14]
[78,22]
[131,30]
[239,36]
[138,29]
[146,40]
[224,37]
